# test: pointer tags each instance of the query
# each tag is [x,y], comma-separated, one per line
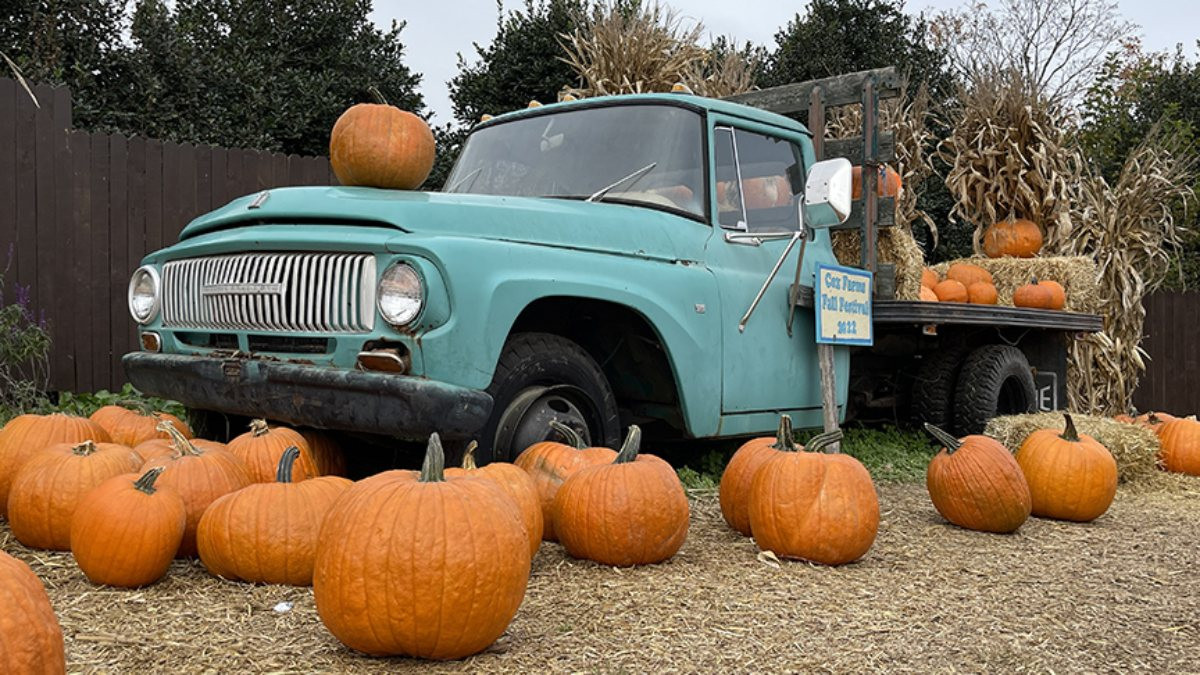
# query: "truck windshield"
[576,154]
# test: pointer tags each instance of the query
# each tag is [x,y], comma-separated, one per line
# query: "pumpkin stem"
[434,467]
[146,482]
[819,442]
[631,446]
[182,445]
[572,437]
[259,427]
[287,462]
[469,457]
[377,95]
[952,444]
[1069,433]
[84,449]
[785,440]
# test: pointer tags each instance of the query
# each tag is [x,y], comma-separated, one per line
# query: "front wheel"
[542,377]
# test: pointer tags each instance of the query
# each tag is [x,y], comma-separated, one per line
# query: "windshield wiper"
[599,194]
[464,179]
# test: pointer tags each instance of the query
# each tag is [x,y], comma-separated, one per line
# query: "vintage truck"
[593,262]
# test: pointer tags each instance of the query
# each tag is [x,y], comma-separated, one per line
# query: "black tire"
[994,380]
[530,361]
[216,426]
[933,389]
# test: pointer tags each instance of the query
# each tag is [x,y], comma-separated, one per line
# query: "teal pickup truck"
[599,262]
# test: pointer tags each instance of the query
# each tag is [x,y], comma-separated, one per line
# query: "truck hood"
[605,227]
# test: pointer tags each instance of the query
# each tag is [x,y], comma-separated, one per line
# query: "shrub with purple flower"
[24,350]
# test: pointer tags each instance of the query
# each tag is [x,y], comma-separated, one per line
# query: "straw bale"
[1134,447]
[892,245]
[1078,275]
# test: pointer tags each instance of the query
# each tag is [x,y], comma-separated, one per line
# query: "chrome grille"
[276,292]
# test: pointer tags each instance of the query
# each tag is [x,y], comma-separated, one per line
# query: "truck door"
[758,178]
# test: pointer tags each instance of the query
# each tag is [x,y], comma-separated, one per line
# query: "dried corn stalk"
[1010,156]
[1129,229]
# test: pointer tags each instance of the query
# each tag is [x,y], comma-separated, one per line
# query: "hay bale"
[893,245]
[1134,447]
[1078,275]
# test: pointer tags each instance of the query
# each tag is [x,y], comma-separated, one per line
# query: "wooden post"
[828,392]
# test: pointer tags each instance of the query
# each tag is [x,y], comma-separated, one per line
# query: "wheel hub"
[527,419]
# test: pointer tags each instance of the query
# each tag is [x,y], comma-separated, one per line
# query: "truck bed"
[960,313]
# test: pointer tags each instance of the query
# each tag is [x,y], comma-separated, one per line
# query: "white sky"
[438,31]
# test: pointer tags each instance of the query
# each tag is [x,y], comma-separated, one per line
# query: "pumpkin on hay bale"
[1078,276]
[1134,448]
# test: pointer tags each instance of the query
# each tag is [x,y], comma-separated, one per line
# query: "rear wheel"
[994,380]
[932,398]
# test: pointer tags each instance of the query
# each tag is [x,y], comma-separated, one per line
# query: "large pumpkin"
[888,183]
[31,641]
[50,485]
[814,506]
[263,446]
[132,427]
[1018,238]
[516,483]
[951,290]
[975,483]
[126,531]
[1040,295]
[267,532]
[378,145]
[1070,475]
[1180,446]
[326,452]
[549,463]
[968,273]
[421,565]
[739,473]
[200,471]
[26,435]
[630,512]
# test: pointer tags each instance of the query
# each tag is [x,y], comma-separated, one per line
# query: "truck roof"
[699,103]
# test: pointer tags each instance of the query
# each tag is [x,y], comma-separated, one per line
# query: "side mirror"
[827,192]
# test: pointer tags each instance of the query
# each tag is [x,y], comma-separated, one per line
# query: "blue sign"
[843,303]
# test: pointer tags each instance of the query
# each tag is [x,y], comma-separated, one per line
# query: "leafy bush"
[24,351]
[87,403]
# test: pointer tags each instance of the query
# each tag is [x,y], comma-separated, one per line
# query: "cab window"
[758,179]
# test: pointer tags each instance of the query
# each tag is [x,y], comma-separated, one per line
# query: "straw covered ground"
[1113,595]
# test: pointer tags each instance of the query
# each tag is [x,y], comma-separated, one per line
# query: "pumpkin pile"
[963,283]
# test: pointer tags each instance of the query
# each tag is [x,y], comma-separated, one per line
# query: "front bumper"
[329,398]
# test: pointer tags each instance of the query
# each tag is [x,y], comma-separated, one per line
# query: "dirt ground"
[1118,594]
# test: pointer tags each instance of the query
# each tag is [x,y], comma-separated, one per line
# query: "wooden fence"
[1172,379]
[78,210]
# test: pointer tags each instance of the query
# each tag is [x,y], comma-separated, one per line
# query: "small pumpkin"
[1070,475]
[929,278]
[515,483]
[49,487]
[950,290]
[262,447]
[1034,295]
[1180,446]
[1017,237]
[975,483]
[630,512]
[927,294]
[379,145]
[267,532]
[31,641]
[126,531]
[549,463]
[419,564]
[739,473]
[200,471]
[132,427]
[982,293]
[968,273]
[1154,419]
[888,184]
[26,435]
[1058,294]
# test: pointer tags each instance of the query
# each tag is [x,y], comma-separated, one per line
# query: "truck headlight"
[144,289]
[400,294]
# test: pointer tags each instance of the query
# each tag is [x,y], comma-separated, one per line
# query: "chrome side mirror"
[827,192]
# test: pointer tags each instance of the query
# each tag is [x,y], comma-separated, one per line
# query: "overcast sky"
[438,31]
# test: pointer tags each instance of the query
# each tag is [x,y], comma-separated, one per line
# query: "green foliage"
[24,352]
[698,480]
[892,455]
[87,403]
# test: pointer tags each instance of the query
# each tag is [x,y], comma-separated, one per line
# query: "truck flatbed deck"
[961,313]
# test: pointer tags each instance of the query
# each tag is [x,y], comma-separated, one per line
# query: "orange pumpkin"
[1034,295]
[1180,446]
[927,294]
[929,278]
[739,473]
[516,483]
[263,446]
[378,145]
[814,506]
[967,274]
[1018,238]
[1058,294]
[549,463]
[630,512]
[975,483]
[767,191]
[330,459]
[267,532]
[132,427]
[126,531]
[888,183]
[1154,419]
[26,435]
[982,293]
[31,641]
[950,291]
[421,565]
[1070,475]
[49,487]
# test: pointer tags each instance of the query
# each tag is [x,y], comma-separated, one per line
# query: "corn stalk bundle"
[1129,229]
[1010,156]
[646,48]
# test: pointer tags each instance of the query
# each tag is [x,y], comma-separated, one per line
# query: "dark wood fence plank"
[99,313]
[8,177]
[121,334]
[1171,382]
[153,195]
[79,257]
[185,195]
